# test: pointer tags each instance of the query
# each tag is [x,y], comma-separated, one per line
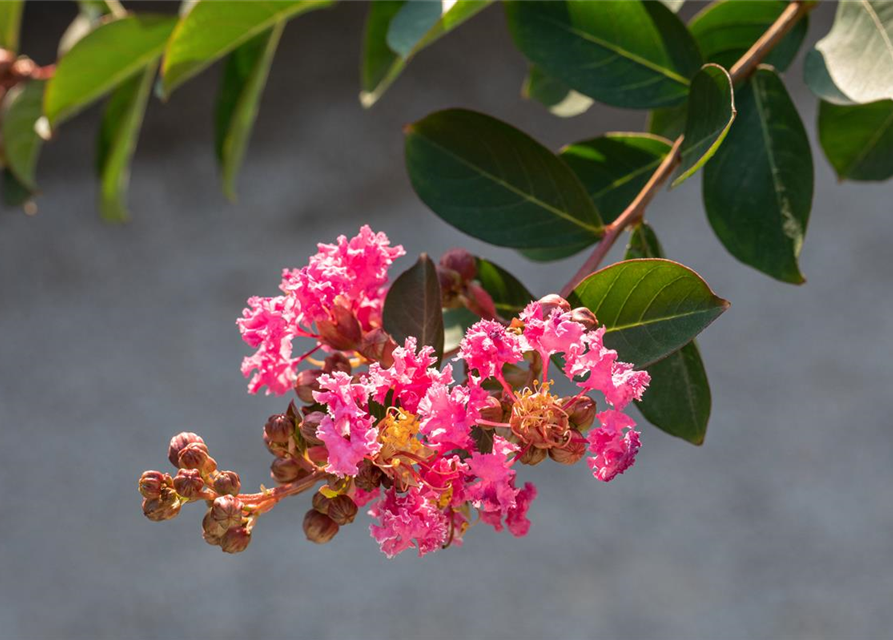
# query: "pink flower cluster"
[344,284]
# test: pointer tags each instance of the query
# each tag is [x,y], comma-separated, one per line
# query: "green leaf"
[509,295]
[90,15]
[10,24]
[678,399]
[497,184]
[397,31]
[241,87]
[557,97]
[102,60]
[455,324]
[758,188]
[213,28]
[858,140]
[725,30]
[22,108]
[857,53]
[552,254]
[711,111]
[118,136]
[15,194]
[817,78]
[412,307]
[615,167]
[628,54]
[650,308]
[668,122]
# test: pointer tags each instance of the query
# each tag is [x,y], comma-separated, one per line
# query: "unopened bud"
[227,511]
[189,483]
[342,331]
[533,456]
[235,540]
[285,470]
[212,531]
[279,428]
[450,285]
[493,411]
[153,482]
[369,476]
[306,383]
[462,262]
[309,427]
[318,527]
[585,317]
[551,302]
[227,483]
[342,510]
[180,442]
[337,362]
[320,502]
[379,347]
[572,451]
[318,455]
[195,456]
[164,507]
[481,301]
[582,413]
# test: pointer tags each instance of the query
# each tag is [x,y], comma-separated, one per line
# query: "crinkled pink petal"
[361,497]
[267,324]
[601,371]
[348,430]
[494,488]
[410,377]
[615,451]
[408,520]
[447,415]
[488,345]
[446,474]
[555,334]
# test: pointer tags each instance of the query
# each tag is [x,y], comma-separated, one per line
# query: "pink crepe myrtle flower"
[615,451]
[448,414]
[361,497]
[348,430]
[555,333]
[408,520]
[516,517]
[488,345]
[601,371]
[494,489]
[410,377]
[266,326]
[445,481]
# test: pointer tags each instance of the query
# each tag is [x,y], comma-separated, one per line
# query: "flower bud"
[318,527]
[460,261]
[342,510]
[189,483]
[481,301]
[320,502]
[318,455]
[450,285]
[378,346]
[285,470]
[212,531]
[153,482]
[227,511]
[369,476]
[551,302]
[279,428]
[493,412]
[235,540]
[582,413]
[337,362]
[572,451]
[342,331]
[585,317]
[227,483]
[533,456]
[178,443]
[164,507]
[306,383]
[195,456]
[309,427]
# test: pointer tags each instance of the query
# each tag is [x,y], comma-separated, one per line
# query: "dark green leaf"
[628,54]
[551,254]
[90,15]
[90,70]
[857,54]
[118,136]
[213,28]
[650,308]
[509,295]
[15,194]
[678,399]
[668,122]
[483,439]
[815,73]
[10,23]
[758,187]
[22,107]
[725,30]
[711,111]
[858,140]
[412,307]
[495,183]
[615,167]
[556,96]
[240,90]
[403,31]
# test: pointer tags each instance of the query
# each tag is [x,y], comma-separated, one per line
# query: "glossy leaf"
[678,399]
[650,308]
[509,295]
[22,107]
[241,87]
[118,136]
[858,140]
[817,78]
[552,254]
[90,14]
[668,122]
[711,111]
[10,23]
[615,167]
[397,31]
[725,30]
[557,97]
[857,53]
[213,28]
[412,306]
[89,70]
[628,54]
[758,188]
[495,183]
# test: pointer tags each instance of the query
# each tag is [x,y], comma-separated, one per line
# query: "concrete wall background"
[115,338]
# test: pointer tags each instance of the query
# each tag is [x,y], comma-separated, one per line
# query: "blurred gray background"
[116,337]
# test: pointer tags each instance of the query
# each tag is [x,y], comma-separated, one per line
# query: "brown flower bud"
[195,456]
[481,302]
[551,302]
[178,443]
[460,261]
[533,456]
[164,507]
[153,482]
[450,285]
[320,502]
[227,483]
[582,413]
[306,383]
[189,483]
[212,531]
[235,540]
[285,470]
[342,331]
[342,510]
[368,477]
[318,527]
[309,427]
[493,412]
[279,428]
[318,455]
[585,317]
[378,346]
[337,362]
[227,511]
[572,451]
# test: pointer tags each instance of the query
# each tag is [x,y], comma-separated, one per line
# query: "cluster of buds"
[394,431]
[457,271]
